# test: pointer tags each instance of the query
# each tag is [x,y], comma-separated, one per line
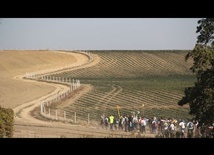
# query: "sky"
[98,33]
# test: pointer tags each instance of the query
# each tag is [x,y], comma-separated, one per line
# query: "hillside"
[14,92]
[129,79]
[126,79]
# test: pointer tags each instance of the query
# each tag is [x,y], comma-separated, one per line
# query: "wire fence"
[46,107]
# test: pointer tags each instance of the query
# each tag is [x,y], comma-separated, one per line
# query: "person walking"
[111,121]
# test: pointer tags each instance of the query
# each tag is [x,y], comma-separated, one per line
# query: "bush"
[6,122]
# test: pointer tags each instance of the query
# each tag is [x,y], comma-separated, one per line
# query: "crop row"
[130,79]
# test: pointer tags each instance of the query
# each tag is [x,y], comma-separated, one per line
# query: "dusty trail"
[25,95]
[28,126]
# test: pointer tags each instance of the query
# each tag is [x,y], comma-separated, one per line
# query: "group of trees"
[6,122]
[200,97]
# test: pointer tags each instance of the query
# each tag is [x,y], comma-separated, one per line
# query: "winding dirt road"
[25,95]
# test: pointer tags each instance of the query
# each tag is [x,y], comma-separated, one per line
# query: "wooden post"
[49,110]
[64,114]
[75,117]
[88,119]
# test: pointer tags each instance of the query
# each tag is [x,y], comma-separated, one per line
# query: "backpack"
[135,120]
[106,120]
[143,123]
[126,120]
[190,125]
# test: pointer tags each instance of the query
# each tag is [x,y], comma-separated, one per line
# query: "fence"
[73,84]
[60,115]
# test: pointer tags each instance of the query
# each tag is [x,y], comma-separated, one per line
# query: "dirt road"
[25,95]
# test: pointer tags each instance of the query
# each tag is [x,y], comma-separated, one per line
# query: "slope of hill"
[129,79]
[13,91]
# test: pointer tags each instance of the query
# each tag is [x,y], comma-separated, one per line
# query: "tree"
[201,96]
[6,122]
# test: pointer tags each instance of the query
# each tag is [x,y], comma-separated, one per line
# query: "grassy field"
[129,79]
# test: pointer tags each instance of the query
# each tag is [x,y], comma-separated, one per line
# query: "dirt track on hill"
[25,95]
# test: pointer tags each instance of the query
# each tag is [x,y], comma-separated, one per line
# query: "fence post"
[74,117]
[64,114]
[88,119]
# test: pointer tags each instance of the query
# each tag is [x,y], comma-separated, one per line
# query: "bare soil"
[24,96]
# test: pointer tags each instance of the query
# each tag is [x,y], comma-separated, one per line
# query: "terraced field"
[131,78]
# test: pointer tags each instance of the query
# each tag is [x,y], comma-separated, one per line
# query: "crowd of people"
[162,127]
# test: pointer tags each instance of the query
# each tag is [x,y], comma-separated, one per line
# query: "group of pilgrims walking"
[162,127]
